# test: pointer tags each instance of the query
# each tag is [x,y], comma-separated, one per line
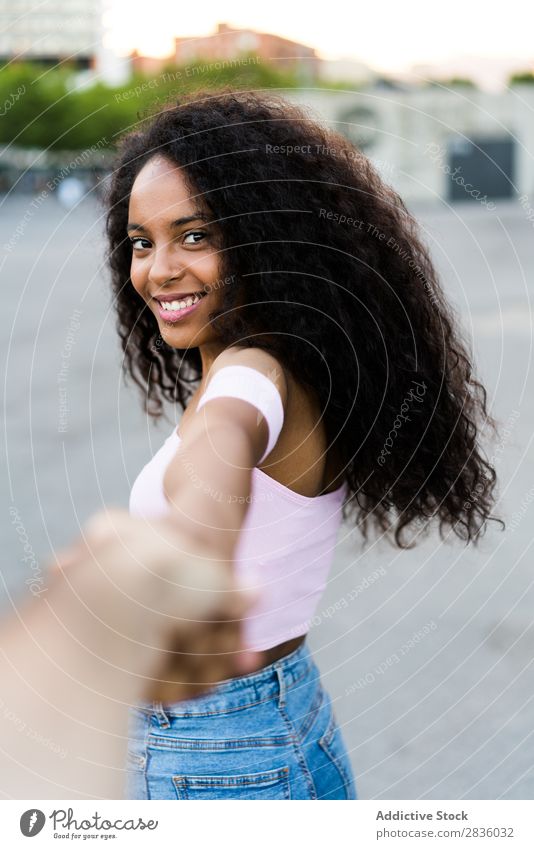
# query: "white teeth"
[180,305]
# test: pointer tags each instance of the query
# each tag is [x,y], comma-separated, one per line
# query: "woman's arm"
[208,482]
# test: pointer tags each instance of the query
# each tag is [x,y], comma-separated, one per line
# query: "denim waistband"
[271,680]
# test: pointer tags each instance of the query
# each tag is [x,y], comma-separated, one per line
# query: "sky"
[390,35]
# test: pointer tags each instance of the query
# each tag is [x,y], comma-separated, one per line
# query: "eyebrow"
[198,216]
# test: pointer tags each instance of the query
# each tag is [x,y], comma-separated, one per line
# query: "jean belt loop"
[281,685]
[160,715]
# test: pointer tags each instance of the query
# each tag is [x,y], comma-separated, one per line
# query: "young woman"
[270,284]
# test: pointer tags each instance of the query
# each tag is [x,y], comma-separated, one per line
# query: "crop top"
[287,541]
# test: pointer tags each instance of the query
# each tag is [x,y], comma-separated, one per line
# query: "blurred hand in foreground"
[169,601]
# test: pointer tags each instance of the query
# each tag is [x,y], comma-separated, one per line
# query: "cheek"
[137,275]
[207,269]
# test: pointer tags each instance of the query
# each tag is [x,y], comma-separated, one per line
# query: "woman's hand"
[168,602]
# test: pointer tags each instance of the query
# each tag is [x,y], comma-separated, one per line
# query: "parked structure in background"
[51,32]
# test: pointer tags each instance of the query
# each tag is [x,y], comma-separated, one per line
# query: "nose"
[164,266]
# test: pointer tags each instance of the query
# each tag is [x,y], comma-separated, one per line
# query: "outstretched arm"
[208,482]
[73,661]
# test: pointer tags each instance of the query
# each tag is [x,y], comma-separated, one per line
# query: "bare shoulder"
[258,359]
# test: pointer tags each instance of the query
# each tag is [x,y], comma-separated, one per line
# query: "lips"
[172,316]
[177,296]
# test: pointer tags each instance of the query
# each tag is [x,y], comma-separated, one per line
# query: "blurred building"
[148,65]
[50,32]
[431,143]
[347,70]
[229,43]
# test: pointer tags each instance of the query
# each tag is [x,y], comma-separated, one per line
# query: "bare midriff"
[276,652]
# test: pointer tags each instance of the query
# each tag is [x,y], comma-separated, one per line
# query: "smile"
[175,310]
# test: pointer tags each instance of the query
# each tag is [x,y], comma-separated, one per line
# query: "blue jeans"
[271,734]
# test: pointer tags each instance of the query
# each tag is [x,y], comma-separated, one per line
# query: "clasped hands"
[166,605]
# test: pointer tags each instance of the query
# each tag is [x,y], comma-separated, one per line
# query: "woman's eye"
[134,241]
[195,236]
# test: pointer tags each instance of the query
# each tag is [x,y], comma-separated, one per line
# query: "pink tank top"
[287,542]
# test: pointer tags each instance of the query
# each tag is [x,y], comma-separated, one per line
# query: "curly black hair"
[330,275]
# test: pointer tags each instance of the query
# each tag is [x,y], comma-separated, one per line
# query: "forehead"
[160,187]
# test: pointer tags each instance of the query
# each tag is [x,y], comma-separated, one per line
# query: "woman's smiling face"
[175,254]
